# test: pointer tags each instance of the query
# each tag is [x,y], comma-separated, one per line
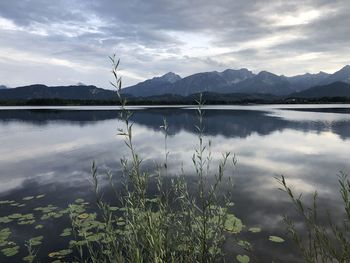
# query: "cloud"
[70,40]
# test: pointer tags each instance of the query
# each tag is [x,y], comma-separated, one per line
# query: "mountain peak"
[341,75]
[266,74]
[3,87]
[170,77]
[347,68]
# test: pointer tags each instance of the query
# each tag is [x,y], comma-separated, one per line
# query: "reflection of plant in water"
[321,244]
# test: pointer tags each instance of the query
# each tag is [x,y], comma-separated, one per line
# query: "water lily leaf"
[54,255]
[65,252]
[15,216]
[26,217]
[3,243]
[243,258]
[276,239]
[5,233]
[233,224]
[5,202]
[57,215]
[11,251]
[39,196]
[66,232]
[254,229]
[244,244]
[26,222]
[35,241]
[60,254]
[29,258]
[79,200]
[5,219]
[39,226]
[27,198]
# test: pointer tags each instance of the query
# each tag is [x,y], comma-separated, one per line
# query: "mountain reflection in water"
[50,151]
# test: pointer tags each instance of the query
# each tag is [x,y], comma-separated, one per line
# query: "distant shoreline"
[143,102]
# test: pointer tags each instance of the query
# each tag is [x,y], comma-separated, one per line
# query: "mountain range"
[235,81]
[241,83]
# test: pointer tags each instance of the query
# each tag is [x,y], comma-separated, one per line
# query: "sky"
[66,42]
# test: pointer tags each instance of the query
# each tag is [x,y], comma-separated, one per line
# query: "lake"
[49,151]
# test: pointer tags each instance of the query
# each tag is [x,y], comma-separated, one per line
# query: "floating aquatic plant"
[276,239]
[243,258]
[254,229]
[10,251]
[27,198]
[36,241]
[6,202]
[66,232]
[5,219]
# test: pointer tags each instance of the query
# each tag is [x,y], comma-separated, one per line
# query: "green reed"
[171,226]
[322,243]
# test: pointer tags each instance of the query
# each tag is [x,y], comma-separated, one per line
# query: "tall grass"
[321,243]
[173,225]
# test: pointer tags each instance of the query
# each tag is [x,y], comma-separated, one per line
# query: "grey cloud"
[156,36]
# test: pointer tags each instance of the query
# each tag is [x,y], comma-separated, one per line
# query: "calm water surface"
[49,150]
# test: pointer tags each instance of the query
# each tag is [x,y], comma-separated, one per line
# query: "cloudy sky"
[68,41]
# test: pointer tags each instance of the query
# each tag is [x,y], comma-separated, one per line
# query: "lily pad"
[243,258]
[29,258]
[27,198]
[26,222]
[233,224]
[54,255]
[26,217]
[39,226]
[60,254]
[65,252]
[6,202]
[276,239]
[39,196]
[254,229]
[15,216]
[36,241]
[11,251]
[5,233]
[244,244]
[66,232]
[5,219]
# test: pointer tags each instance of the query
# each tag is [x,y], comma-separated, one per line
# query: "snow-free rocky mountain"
[239,82]
[236,81]
[60,92]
